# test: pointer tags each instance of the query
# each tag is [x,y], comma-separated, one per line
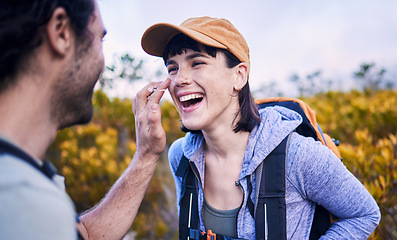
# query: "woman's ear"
[59,32]
[241,76]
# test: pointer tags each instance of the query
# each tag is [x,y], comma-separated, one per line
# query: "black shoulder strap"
[270,205]
[321,222]
[47,168]
[270,215]
[188,205]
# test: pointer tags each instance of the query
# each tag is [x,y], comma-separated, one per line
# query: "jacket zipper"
[241,205]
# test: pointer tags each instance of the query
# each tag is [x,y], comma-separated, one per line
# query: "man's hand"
[150,135]
[114,215]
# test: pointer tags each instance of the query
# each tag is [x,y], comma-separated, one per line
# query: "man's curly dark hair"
[20,23]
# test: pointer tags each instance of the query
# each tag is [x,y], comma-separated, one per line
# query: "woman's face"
[203,89]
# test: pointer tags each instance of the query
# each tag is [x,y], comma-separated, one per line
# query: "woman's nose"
[182,78]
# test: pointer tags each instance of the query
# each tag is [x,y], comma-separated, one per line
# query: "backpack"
[309,127]
[270,181]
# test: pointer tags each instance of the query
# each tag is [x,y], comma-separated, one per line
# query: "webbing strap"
[188,206]
[194,234]
[182,167]
[270,217]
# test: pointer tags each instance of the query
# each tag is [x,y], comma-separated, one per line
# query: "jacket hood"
[277,122]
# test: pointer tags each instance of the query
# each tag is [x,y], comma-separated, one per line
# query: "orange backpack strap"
[331,145]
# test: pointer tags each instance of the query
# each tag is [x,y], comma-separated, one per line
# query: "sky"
[285,37]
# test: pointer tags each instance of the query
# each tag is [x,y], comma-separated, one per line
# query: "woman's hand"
[150,135]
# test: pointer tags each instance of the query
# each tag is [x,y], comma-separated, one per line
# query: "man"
[50,59]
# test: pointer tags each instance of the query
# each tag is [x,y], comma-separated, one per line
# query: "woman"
[208,64]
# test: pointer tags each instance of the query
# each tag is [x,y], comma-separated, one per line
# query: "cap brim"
[156,38]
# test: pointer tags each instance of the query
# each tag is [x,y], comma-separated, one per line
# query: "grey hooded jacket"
[313,175]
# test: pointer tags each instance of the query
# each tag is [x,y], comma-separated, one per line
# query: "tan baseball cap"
[214,32]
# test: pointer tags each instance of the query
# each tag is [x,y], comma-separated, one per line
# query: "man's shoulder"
[30,201]
[14,171]
[18,178]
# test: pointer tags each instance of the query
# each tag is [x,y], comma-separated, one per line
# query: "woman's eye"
[172,70]
[197,63]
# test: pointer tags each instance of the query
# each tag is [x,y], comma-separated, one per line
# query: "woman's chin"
[190,126]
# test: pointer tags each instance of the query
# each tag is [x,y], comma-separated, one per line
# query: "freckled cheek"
[171,88]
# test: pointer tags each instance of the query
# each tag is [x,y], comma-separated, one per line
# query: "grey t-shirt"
[31,205]
[220,221]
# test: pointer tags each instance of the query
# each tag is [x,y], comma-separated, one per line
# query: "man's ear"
[59,32]
[241,76]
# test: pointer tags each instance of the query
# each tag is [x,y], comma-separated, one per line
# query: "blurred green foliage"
[92,157]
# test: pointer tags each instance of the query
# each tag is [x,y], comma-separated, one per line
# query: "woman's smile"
[190,101]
